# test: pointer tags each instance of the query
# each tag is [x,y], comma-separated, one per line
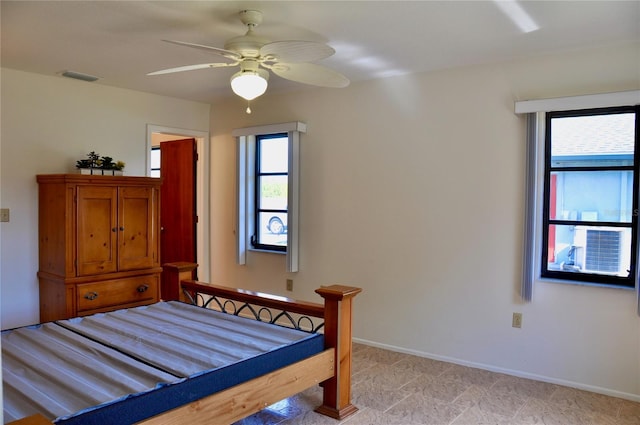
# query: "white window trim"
[245,178]
[590,101]
[535,110]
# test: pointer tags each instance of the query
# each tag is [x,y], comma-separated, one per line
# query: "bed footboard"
[242,400]
[336,314]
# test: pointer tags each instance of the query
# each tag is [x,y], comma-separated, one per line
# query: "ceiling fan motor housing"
[248,45]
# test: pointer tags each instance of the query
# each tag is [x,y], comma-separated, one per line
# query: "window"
[268,187]
[155,161]
[590,196]
[272,170]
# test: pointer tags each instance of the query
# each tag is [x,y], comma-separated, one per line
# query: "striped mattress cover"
[127,365]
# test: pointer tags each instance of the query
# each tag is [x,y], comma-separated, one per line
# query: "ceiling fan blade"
[310,73]
[222,52]
[191,68]
[296,51]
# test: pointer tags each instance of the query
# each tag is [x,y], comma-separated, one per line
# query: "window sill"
[268,251]
[582,283]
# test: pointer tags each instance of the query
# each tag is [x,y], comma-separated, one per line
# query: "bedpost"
[336,400]
[173,274]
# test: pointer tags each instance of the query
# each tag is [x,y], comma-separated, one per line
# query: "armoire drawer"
[112,294]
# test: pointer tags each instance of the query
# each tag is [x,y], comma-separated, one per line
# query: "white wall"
[47,124]
[412,188]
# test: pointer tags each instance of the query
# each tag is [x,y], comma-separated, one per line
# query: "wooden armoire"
[99,243]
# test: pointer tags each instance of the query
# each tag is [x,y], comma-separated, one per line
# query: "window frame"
[245,202]
[255,242]
[628,281]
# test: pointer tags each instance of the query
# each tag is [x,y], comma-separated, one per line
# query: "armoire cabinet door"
[97,230]
[137,221]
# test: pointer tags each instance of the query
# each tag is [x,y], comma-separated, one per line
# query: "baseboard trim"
[512,372]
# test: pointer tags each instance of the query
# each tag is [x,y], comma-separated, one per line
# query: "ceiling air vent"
[79,76]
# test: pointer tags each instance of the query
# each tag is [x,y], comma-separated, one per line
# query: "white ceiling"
[120,41]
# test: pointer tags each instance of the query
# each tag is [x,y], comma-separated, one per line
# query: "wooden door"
[137,221]
[178,209]
[97,229]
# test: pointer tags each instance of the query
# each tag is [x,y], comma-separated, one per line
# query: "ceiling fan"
[256,56]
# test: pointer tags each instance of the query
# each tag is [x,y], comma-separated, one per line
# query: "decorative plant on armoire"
[102,165]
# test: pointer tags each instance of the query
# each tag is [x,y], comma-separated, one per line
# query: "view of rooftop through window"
[593,135]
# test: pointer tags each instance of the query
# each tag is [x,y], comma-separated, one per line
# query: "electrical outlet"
[4,215]
[289,284]
[516,322]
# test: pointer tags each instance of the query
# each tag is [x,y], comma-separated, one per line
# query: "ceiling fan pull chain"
[248,111]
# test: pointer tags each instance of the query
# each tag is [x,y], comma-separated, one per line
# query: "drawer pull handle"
[114,229]
[122,228]
[91,295]
[143,288]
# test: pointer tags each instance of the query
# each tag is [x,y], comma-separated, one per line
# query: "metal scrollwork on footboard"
[333,317]
[205,296]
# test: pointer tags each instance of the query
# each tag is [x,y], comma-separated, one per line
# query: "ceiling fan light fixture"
[249,84]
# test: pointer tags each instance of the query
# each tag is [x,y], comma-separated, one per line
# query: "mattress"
[124,366]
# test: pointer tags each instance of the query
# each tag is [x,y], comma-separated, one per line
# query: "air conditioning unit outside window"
[603,250]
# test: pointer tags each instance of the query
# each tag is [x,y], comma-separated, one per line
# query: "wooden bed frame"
[331,368]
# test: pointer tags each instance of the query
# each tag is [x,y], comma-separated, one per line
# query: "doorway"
[159,134]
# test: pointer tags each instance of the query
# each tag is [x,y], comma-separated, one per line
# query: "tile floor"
[392,388]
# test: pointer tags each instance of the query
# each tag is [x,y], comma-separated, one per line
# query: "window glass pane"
[273,192]
[272,228]
[155,158]
[590,249]
[273,155]
[592,140]
[155,173]
[591,196]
